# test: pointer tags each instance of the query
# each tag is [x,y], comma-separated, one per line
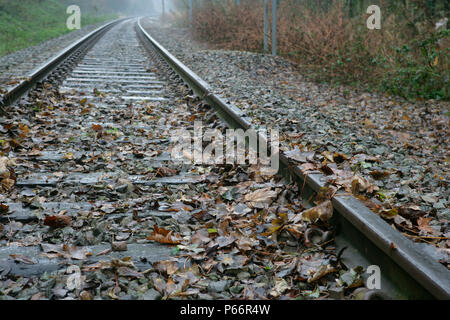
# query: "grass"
[28,22]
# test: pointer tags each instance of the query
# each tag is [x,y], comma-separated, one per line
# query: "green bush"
[422,69]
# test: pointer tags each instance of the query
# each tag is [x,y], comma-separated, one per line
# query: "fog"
[127,7]
[147,7]
[170,5]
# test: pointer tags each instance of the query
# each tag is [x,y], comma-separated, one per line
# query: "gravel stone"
[218,286]
[409,140]
[151,294]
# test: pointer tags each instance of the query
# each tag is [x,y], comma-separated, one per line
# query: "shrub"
[407,57]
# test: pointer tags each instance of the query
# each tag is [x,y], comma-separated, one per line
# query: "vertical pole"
[163,5]
[190,11]
[274,27]
[266,25]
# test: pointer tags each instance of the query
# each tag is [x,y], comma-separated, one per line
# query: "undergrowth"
[408,57]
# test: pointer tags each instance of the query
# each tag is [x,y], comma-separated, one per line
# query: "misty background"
[126,7]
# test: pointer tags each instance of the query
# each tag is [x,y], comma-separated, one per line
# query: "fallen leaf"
[260,198]
[280,287]
[379,175]
[74,252]
[324,212]
[57,221]
[321,272]
[21,258]
[97,127]
[4,208]
[163,236]
[68,156]
[167,267]
[424,225]
[300,156]
[359,185]
[119,246]
[339,157]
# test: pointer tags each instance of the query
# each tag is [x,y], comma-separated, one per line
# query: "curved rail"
[407,273]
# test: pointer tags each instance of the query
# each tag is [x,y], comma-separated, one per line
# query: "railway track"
[97,194]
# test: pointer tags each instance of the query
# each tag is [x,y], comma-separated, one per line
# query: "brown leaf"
[339,157]
[308,167]
[119,246]
[369,124]
[34,153]
[424,225]
[325,193]
[163,236]
[167,267]
[323,212]
[4,208]
[201,237]
[21,258]
[322,271]
[277,224]
[97,127]
[412,213]
[57,221]
[379,175]
[260,198]
[359,185]
[24,130]
[74,252]
[165,172]
[388,213]
[68,156]
[7,184]
[138,154]
[4,168]
[86,295]
[327,170]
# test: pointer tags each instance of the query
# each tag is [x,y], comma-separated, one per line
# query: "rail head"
[433,277]
[45,68]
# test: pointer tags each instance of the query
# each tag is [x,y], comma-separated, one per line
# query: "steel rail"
[50,65]
[406,271]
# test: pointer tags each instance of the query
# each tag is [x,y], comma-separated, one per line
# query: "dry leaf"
[424,225]
[97,127]
[324,212]
[164,236]
[4,208]
[34,153]
[167,267]
[379,175]
[21,258]
[260,198]
[119,246]
[57,221]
